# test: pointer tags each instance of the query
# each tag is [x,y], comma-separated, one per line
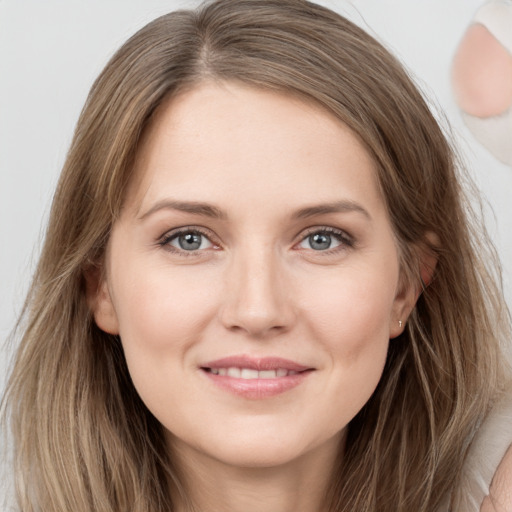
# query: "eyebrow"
[209,210]
[344,206]
[194,207]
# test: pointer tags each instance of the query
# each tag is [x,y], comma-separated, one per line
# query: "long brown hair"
[83,439]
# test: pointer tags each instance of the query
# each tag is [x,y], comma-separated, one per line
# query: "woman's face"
[253,275]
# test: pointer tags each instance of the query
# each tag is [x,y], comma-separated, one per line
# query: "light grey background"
[51,51]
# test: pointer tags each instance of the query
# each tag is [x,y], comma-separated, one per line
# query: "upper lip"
[256,363]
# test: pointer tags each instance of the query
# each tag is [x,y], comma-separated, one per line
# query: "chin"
[255,448]
[264,454]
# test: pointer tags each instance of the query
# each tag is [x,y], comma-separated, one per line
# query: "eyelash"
[168,237]
[346,241]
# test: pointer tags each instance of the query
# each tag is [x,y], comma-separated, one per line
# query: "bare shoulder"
[499,498]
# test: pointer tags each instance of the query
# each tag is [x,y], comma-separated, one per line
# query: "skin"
[482,74]
[500,493]
[255,287]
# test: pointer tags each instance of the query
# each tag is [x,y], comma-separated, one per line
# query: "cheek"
[161,315]
[353,311]
[158,308]
[351,319]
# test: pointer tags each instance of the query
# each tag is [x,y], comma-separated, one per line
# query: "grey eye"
[321,241]
[190,241]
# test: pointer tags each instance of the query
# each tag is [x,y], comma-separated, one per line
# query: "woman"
[259,288]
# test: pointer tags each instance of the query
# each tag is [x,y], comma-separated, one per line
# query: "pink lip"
[257,389]
[260,364]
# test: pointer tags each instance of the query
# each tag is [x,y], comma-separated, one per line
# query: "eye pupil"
[190,241]
[320,241]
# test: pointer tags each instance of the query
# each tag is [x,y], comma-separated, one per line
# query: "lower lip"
[258,389]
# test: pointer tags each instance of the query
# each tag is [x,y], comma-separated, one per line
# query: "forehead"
[228,139]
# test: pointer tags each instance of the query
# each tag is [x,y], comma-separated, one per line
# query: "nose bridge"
[256,299]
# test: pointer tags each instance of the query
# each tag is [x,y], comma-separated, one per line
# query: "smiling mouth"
[250,373]
[256,378]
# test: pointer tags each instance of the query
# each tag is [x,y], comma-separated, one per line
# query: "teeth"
[271,374]
[249,373]
[234,372]
[245,373]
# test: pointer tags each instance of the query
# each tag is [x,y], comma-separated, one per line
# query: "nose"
[256,298]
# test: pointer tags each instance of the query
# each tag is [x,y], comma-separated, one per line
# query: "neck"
[300,485]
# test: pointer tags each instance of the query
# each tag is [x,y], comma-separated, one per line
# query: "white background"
[51,51]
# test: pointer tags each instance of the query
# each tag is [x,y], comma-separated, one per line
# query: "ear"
[405,300]
[427,259]
[99,300]
[410,289]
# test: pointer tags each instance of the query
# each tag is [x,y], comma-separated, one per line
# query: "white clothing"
[491,442]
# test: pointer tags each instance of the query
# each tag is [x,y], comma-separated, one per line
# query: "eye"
[325,239]
[189,240]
